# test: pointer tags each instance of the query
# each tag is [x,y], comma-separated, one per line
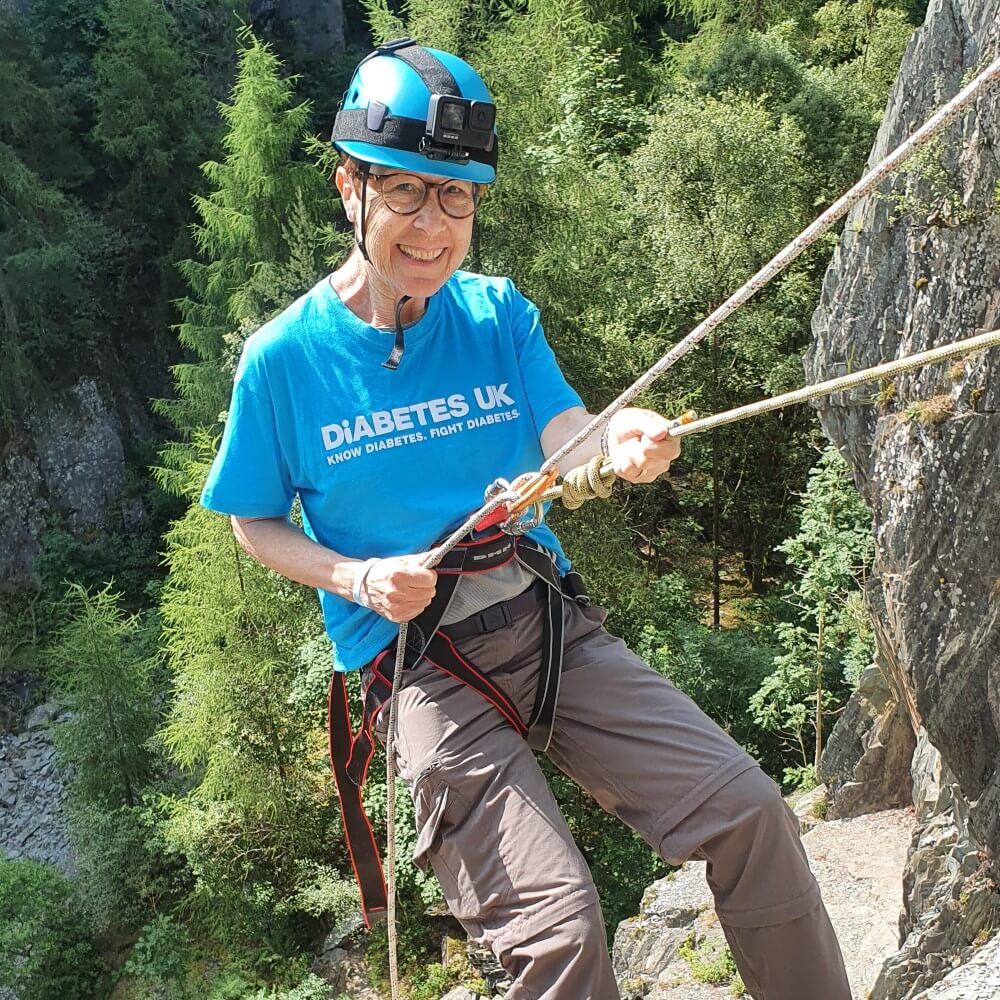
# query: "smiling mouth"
[416,253]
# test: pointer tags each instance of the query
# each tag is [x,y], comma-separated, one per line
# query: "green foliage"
[45,950]
[160,959]
[153,122]
[719,187]
[710,962]
[261,802]
[802,778]
[93,559]
[22,626]
[51,246]
[243,236]
[433,981]
[830,555]
[310,988]
[929,189]
[125,870]
[102,668]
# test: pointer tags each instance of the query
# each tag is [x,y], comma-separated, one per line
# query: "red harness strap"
[351,752]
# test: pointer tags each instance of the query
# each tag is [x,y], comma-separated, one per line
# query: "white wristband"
[359,582]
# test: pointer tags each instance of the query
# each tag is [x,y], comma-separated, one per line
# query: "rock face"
[314,27]
[68,461]
[950,898]
[866,761]
[979,977]
[646,945]
[919,265]
[903,286]
[31,795]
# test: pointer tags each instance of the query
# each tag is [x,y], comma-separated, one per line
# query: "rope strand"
[774,267]
[431,560]
[571,496]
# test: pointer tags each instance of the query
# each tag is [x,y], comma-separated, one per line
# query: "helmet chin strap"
[399,345]
[359,233]
[392,362]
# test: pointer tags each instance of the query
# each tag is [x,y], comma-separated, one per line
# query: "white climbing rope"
[431,560]
[828,388]
[959,103]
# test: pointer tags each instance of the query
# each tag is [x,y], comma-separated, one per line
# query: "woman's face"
[414,254]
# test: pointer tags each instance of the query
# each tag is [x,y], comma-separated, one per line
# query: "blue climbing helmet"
[423,110]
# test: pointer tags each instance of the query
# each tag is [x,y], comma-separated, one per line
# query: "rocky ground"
[31,794]
[858,863]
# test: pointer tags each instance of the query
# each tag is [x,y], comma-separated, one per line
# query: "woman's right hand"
[399,588]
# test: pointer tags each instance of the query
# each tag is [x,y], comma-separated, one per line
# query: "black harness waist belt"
[351,753]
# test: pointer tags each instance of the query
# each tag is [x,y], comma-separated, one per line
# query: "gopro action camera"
[455,125]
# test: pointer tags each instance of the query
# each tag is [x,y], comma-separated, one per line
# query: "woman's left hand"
[639,444]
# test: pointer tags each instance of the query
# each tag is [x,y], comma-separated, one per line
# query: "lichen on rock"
[928,462]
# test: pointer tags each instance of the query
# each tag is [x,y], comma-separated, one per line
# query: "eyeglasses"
[405,194]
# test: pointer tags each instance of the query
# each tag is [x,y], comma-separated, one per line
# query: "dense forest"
[165,189]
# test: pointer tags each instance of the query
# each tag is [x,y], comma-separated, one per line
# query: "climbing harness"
[351,753]
[519,506]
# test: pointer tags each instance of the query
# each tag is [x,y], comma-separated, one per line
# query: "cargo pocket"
[468,864]
[430,800]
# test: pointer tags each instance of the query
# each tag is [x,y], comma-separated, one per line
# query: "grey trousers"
[509,869]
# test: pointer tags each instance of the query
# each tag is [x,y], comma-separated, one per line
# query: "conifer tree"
[103,674]
[258,826]
[50,245]
[242,232]
[153,122]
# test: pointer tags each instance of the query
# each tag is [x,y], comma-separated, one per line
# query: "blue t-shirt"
[387,462]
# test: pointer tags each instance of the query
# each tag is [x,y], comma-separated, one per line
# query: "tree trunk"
[716,465]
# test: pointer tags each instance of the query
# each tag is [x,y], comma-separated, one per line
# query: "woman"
[386,399]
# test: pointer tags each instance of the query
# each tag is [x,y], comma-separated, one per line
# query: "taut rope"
[578,487]
[839,208]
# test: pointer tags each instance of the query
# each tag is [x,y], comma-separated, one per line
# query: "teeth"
[417,254]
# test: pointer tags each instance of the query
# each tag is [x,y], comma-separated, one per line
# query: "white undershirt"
[476,591]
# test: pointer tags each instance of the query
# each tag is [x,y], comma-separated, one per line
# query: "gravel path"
[859,865]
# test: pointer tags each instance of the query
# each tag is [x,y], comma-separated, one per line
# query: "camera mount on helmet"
[455,125]
[456,128]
